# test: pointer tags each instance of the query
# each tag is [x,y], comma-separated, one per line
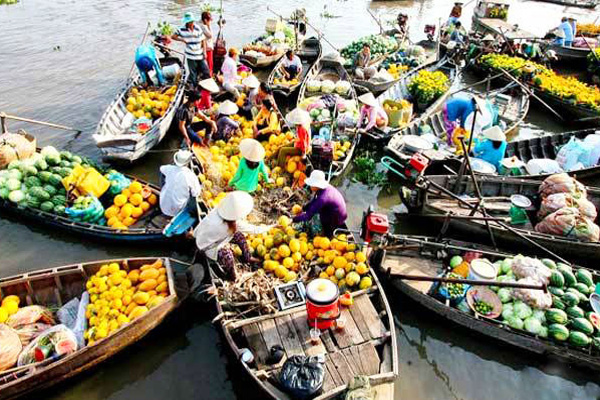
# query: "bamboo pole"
[467,281]
[4,117]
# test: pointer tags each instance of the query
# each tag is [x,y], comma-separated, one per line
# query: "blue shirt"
[484,149]
[146,60]
[459,108]
[567,30]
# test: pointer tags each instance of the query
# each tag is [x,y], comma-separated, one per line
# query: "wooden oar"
[167,48]
[141,43]
[473,282]
[4,116]
[381,30]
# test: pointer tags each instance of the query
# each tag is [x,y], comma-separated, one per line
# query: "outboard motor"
[374,225]
[430,32]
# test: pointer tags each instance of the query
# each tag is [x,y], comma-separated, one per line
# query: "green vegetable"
[532,325]
[582,325]
[16,196]
[556,291]
[515,322]
[41,164]
[504,295]
[570,299]
[557,279]
[579,339]
[483,307]
[558,332]
[540,315]
[555,315]
[549,263]
[522,310]
[506,265]
[584,276]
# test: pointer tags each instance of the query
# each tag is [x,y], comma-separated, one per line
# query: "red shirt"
[303,139]
[205,102]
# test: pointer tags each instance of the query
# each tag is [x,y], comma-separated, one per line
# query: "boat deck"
[510,31]
[407,265]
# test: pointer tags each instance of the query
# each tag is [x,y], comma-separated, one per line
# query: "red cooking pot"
[322,303]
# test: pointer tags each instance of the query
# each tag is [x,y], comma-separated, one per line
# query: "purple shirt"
[225,128]
[331,207]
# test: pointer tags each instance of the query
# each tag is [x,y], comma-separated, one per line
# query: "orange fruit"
[126,193]
[136,199]
[112,221]
[137,212]
[120,200]
[145,206]
[111,212]
[153,199]
[128,221]
[135,187]
[126,211]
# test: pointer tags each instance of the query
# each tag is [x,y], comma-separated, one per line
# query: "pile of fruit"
[283,81]
[566,88]
[391,108]
[497,12]
[118,296]
[340,149]
[590,30]
[151,104]
[379,44]
[10,305]
[396,70]
[428,86]
[129,206]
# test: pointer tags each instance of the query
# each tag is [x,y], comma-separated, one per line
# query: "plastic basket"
[400,117]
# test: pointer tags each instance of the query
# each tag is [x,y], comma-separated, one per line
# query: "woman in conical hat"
[373,112]
[251,168]
[300,120]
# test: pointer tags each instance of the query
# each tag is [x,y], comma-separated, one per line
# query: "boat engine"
[430,32]
[374,225]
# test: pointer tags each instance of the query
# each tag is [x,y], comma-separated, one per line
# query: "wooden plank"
[301,325]
[386,363]
[335,375]
[328,341]
[328,382]
[361,323]
[350,335]
[289,336]
[342,367]
[353,358]
[384,391]
[370,316]
[413,266]
[369,358]
[270,334]
[256,343]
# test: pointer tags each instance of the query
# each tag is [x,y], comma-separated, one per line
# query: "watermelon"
[584,276]
[29,170]
[557,279]
[557,303]
[596,343]
[582,297]
[556,291]
[32,181]
[570,279]
[59,210]
[558,332]
[579,339]
[41,164]
[582,325]
[65,164]
[45,176]
[59,200]
[66,155]
[549,263]
[32,203]
[574,312]
[76,160]
[55,180]
[594,319]
[4,192]
[51,190]
[47,206]
[582,288]
[40,193]
[52,159]
[570,299]
[556,316]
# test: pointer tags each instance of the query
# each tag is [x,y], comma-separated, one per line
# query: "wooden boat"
[309,53]
[496,192]
[53,288]
[333,70]
[367,346]
[148,229]
[261,62]
[490,16]
[512,110]
[400,91]
[569,54]
[574,3]
[419,258]
[112,137]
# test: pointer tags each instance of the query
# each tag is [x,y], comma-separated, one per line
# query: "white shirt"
[229,70]
[180,182]
[207,31]
[212,233]
[294,61]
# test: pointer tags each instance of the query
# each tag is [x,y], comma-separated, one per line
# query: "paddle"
[472,282]
[168,48]
[4,116]
[141,43]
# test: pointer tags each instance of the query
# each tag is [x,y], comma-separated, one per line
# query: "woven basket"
[16,146]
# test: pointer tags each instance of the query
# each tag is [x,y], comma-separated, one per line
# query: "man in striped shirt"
[195,48]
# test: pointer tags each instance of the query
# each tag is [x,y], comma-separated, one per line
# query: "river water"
[62,61]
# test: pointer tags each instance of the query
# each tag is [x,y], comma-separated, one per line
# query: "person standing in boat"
[230,75]
[567,31]
[195,48]
[300,120]
[251,167]
[226,225]
[327,202]
[360,65]
[185,120]
[291,67]
[208,34]
[492,147]
[455,13]
[374,114]
[208,87]
[456,112]
[180,184]
[146,60]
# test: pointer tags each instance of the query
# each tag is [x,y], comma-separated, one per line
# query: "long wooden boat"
[418,257]
[261,62]
[310,52]
[569,54]
[334,71]
[400,91]
[512,110]
[148,229]
[53,288]
[496,192]
[367,346]
[112,137]
[574,3]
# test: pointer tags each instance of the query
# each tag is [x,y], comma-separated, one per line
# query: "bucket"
[171,71]
[322,303]
[482,270]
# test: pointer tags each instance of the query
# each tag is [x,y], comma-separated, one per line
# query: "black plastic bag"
[302,377]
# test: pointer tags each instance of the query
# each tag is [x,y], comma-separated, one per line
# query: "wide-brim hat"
[512,162]
[235,205]
[298,117]
[494,133]
[182,157]
[559,33]
[251,82]
[228,107]
[488,38]
[317,179]
[481,103]
[368,99]
[252,150]
[187,18]
[209,84]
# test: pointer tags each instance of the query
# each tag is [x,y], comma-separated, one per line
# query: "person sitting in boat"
[291,66]
[458,34]
[226,126]
[195,48]
[488,44]
[251,85]
[360,65]
[146,61]
[208,87]
[226,225]
[456,112]
[492,147]
[230,75]
[567,33]
[455,13]
[266,121]
[401,23]
[251,167]
[185,120]
[180,184]
[372,112]
[327,202]
[300,120]
[573,22]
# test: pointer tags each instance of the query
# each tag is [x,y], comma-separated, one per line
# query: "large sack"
[15,146]
[569,222]
[562,183]
[556,201]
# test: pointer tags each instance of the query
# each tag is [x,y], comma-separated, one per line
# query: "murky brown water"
[62,61]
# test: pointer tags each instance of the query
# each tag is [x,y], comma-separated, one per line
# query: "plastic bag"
[533,298]
[562,183]
[556,201]
[527,267]
[30,314]
[593,141]
[359,388]
[29,332]
[302,377]
[56,341]
[118,182]
[542,166]
[10,347]
[570,223]
[381,76]
[571,153]
[93,214]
